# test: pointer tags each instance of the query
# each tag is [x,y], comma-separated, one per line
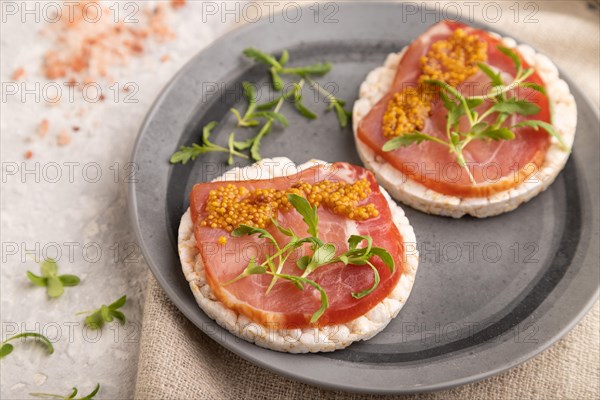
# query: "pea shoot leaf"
[187,153]
[494,76]
[269,112]
[385,256]
[305,112]
[104,314]
[7,348]
[276,116]
[534,86]
[317,69]
[70,396]
[513,56]
[276,79]
[535,124]
[366,292]
[407,140]
[262,57]
[308,212]
[512,106]
[50,279]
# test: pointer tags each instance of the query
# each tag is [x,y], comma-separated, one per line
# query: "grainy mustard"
[452,61]
[230,206]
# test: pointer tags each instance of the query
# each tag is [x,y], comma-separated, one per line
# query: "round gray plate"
[489,293]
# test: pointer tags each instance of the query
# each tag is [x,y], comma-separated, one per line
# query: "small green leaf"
[296,280]
[39,338]
[472,103]
[276,79]
[368,291]
[409,139]
[286,231]
[454,92]
[512,106]
[187,153]
[92,394]
[454,138]
[268,105]
[324,301]
[69,280]
[182,156]
[249,92]
[535,124]
[244,144]
[251,269]
[255,148]
[99,317]
[73,394]
[317,69]
[105,313]
[303,262]
[36,280]
[256,270]
[49,267]
[355,240]
[323,255]
[285,57]
[493,75]
[305,112]
[513,56]
[314,241]
[118,315]
[448,104]
[479,127]
[5,349]
[308,212]
[454,114]
[533,86]
[261,57]
[342,115]
[94,320]
[385,256]
[120,302]
[55,287]
[243,121]
[497,134]
[231,147]
[247,230]
[207,130]
[276,116]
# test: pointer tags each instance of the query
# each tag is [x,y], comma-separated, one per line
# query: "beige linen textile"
[178,361]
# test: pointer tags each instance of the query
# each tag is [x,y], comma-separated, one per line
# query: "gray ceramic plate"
[489,293]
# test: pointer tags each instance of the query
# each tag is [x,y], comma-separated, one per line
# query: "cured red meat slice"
[495,165]
[286,306]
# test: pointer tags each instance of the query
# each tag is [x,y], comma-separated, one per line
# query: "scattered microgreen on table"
[479,125]
[104,314]
[323,254]
[54,283]
[70,396]
[262,117]
[7,348]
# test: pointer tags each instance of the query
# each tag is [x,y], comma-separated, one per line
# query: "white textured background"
[38,212]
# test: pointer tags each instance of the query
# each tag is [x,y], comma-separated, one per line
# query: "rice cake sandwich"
[298,259]
[463,121]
